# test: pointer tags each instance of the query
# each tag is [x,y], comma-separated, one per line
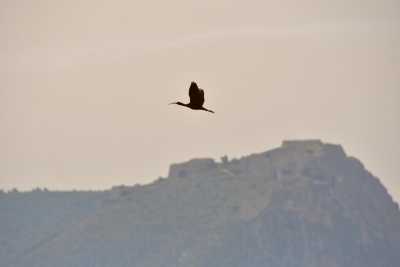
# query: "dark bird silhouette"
[196,95]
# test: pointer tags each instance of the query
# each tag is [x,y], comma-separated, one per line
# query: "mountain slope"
[305,203]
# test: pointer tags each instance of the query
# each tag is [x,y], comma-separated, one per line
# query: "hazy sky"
[84,85]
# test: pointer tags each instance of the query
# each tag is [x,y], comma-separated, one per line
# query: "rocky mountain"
[303,204]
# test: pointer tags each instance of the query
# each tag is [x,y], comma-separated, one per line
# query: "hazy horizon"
[85,87]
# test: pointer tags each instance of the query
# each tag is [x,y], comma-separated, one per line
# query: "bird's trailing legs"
[209,110]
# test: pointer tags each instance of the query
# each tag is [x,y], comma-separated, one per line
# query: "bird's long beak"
[172,103]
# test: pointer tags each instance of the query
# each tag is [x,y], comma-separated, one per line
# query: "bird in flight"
[196,95]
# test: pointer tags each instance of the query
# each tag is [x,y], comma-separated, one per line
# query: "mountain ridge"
[305,203]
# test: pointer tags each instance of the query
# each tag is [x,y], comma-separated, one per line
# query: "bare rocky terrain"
[303,204]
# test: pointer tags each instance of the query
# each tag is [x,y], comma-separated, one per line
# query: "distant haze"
[84,85]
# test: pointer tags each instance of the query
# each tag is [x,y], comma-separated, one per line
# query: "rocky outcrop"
[305,203]
[190,167]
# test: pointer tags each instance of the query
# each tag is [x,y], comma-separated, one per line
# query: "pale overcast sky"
[84,85]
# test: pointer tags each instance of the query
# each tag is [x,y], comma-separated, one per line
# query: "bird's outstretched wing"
[196,95]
